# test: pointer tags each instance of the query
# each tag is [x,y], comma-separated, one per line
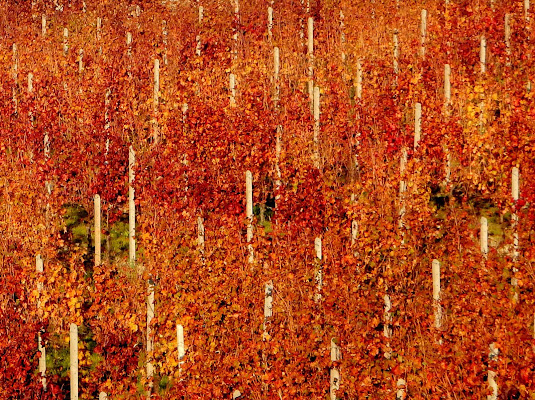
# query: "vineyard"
[285,199]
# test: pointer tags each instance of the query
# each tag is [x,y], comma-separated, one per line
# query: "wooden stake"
[232,86]
[484,237]
[387,329]
[491,377]
[129,46]
[249,213]
[150,340]
[155,134]
[164,35]
[515,195]
[102,396]
[342,36]
[99,28]
[276,69]
[336,355]
[447,102]
[80,61]
[508,38]
[417,124]
[514,219]
[43,25]
[436,294]
[402,190]
[15,76]
[396,52]
[447,86]
[235,35]
[317,161]
[483,55]
[319,270]
[198,48]
[358,91]
[401,385]
[40,347]
[200,234]
[268,302]
[65,41]
[310,50]
[74,361]
[180,341]
[423,32]
[270,23]
[97,230]
[131,208]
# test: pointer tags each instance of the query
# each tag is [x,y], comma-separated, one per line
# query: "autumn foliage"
[196,168]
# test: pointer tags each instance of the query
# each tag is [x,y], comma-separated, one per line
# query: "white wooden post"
[515,195]
[181,348]
[508,38]
[436,294]
[447,103]
[423,32]
[129,46]
[276,98]
[40,347]
[131,208]
[483,55]
[180,341]
[156,95]
[396,52]
[107,119]
[387,328]
[514,218]
[447,85]
[200,234]
[15,76]
[198,48]
[164,40]
[317,161]
[102,396]
[417,123]
[80,61]
[150,340]
[268,303]
[99,28]
[232,86]
[270,23]
[43,25]
[526,10]
[30,91]
[491,377]
[402,190]
[235,35]
[483,70]
[97,216]
[249,213]
[310,50]
[276,70]
[319,270]
[336,355]
[342,36]
[358,91]
[74,361]
[484,237]
[65,41]
[400,393]
[354,231]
